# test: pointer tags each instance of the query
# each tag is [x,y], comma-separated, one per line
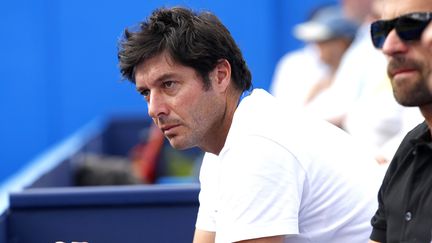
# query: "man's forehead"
[154,65]
[163,58]
[395,8]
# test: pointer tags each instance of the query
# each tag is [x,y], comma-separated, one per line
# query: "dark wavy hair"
[196,40]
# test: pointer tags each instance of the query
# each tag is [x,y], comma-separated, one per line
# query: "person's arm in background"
[371,241]
[202,236]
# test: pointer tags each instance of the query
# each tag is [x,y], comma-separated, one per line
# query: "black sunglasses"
[408,27]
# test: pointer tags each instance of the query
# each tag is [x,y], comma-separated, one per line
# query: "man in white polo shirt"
[267,176]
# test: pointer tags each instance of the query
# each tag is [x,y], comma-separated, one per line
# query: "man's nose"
[393,44]
[157,105]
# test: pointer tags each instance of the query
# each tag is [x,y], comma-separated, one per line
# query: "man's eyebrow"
[161,78]
[140,89]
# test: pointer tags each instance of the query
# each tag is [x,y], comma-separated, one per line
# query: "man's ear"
[221,75]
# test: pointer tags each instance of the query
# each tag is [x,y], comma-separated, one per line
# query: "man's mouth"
[167,128]
[400,67]
[401,72]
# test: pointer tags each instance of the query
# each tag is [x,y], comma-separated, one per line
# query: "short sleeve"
[260,191]
[379,220]
[379,225]
[207,197]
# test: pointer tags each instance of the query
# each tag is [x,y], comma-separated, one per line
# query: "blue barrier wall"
[59,69]
[129,214]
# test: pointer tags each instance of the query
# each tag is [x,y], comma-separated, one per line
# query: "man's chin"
[178,144]
[414,101]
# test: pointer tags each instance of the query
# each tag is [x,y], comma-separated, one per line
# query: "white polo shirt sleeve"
[261,187]
[206,219]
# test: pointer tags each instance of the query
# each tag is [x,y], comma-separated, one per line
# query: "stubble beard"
[411,93]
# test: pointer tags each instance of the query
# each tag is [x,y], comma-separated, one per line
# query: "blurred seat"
[42,203]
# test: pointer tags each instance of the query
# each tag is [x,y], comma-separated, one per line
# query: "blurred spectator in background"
[295,74]
[332,33]
[360,62]
[360,100]
[301,74]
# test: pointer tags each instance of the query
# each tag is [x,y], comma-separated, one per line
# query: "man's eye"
[145,93]
[168,84]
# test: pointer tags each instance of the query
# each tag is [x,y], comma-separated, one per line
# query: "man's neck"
[232,101]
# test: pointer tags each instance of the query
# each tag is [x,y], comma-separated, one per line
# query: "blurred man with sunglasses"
[405,197]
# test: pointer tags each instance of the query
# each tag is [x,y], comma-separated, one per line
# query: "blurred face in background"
[331,51]
[357,10]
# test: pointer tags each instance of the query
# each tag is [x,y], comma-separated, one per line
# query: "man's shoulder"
[414,134]
[408,143]
[418,131]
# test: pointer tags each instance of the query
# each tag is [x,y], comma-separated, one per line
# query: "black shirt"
[405,197]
